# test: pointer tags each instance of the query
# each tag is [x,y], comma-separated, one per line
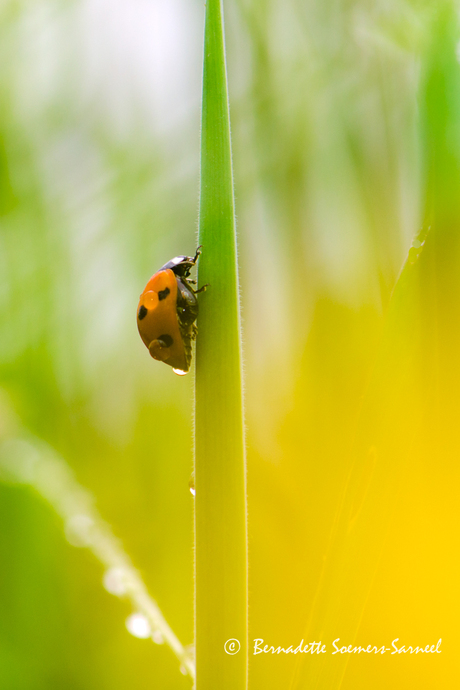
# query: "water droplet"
[190,649]
[179,372]
[114,581]
[415,250]
[183,670]
[78,530]
[413,255]
[138,625]
[157,637]
[191,484]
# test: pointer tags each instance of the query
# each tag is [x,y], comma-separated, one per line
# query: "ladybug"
[167,311]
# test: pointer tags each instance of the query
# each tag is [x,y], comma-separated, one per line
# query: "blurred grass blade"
[220,511]
[390,419]
[29,461]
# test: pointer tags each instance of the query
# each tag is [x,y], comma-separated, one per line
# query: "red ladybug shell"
[158,322]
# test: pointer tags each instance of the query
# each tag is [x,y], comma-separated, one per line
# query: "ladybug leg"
[187,303]
[197,254]
[202,289]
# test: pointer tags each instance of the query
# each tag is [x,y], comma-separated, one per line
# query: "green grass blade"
[220,511]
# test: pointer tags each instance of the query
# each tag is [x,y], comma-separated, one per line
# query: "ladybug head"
[182,265]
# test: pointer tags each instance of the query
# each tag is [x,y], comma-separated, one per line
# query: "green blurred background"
[346,141]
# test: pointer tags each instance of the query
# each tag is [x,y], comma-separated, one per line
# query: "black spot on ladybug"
[166,339]
[142,313]
[163,294]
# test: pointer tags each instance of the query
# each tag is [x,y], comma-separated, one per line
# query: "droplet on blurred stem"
[138,625]
[157,637]
[179,372]
[191,484]
[78,530]
[114,582]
